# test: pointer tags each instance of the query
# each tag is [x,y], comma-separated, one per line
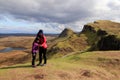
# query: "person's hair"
[39,32]
[36,39]
[37,36]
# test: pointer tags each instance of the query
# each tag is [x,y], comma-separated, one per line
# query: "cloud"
[114,5]
[55,15]
[47,11]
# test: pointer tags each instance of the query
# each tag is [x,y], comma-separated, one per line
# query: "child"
[34,51]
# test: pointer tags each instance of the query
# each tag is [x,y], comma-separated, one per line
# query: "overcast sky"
[28,16]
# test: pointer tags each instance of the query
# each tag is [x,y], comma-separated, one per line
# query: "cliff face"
[103,35]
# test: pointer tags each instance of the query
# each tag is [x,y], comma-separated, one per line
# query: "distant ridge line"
[24,34]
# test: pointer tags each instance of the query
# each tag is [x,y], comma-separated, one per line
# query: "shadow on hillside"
[20,66]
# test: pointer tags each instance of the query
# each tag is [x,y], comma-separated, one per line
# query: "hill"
[99,35]
[66,33]
[97,65]
[67,41]
[102,35]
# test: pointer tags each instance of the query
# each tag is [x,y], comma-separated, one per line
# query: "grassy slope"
[101,29]
[109,26]
[86,66]
[15,57]
[66,45]
[87,40]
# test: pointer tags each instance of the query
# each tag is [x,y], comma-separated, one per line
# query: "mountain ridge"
[98,35]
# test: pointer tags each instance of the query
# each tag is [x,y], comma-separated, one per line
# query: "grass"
[85,66]
[92,37]
[17,66]
[67,45]
[109,26]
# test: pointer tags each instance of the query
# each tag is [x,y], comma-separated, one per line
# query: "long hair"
[39,32]
[37,36]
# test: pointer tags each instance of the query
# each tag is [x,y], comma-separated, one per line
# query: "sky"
[28,16]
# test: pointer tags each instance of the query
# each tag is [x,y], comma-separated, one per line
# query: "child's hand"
[40,45]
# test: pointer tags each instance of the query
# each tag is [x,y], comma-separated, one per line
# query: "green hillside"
[98,65]
[99,35]
[68,41]
[102,35]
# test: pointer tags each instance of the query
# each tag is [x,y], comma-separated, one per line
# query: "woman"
[42,48]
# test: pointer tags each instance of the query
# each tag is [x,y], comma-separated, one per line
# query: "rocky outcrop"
[109,42]
[103,35]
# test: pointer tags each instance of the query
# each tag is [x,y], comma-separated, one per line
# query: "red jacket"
[43,42]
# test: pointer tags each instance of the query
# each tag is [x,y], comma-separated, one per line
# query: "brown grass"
[14,57]
[98,65]
[109,26]
[52,72]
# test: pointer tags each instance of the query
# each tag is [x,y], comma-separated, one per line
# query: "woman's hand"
[40,45]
